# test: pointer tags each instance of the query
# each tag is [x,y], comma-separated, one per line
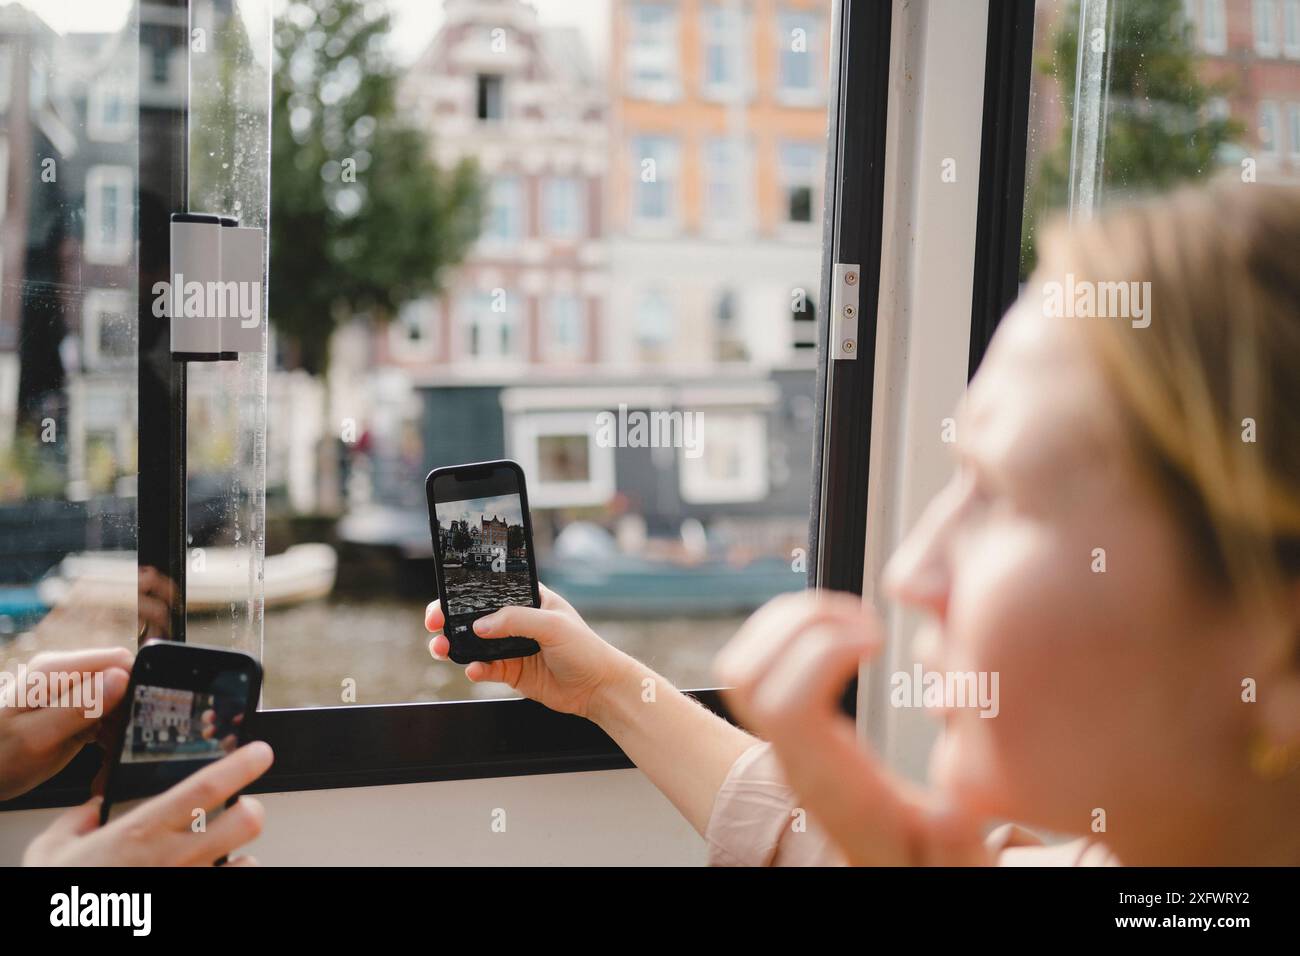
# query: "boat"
[109,578]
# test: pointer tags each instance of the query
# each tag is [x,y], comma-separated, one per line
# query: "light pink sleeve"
[755,823]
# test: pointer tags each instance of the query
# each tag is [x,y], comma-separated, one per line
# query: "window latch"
[846,281]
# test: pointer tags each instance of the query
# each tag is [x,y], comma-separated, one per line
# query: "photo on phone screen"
[188,706]
[483,552]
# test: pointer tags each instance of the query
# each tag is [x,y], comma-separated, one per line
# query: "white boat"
[215,579]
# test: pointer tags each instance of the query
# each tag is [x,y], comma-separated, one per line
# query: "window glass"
[69,155]
[1132,98]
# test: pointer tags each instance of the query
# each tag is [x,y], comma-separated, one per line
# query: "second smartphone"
[482,554]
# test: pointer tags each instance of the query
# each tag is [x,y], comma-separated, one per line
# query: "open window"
[636,233]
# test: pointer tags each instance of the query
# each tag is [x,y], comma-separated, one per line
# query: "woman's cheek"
[1002,614]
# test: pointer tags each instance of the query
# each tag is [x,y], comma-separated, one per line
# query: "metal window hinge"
[214,297]
[844,311]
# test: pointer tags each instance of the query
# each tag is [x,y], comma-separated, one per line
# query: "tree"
[362,219]
[1157,131]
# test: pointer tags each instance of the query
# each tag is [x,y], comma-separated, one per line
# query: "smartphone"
[188,706]
[482,554]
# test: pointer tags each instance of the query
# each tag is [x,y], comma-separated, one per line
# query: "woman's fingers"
[761,641]
[543,626]
[433,618]
[234,827]
[65,722]
[439,646]
[808,685]
[209,788]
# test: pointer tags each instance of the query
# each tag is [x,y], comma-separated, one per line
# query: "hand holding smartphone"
[187,706]
[483,554]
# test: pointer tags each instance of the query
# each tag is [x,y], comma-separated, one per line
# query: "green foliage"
[362,219]
[1157,131]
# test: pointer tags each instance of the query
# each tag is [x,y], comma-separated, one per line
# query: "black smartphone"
[482,554]
[188,706]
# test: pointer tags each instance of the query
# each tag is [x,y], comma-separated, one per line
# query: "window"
[566,334]
[729,337]
[489,105]
[729,466]
[566,464]
[654,329]
[654,199]
[564,211]
[108,111]
[1295,133]
[726,33]
[798,182]
[413,334]
[797,59]
[505,219]
[109,202]
[1291,28]
[652,51]
[727,190]
[1269,129]
[108,329]
[336,424]
[492,327]
[1266,27]
[1214,27]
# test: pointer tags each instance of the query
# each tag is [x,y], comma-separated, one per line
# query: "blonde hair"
[1210,389]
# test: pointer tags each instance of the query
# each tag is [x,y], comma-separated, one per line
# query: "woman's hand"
[573,666]
[788,668]
[38,742]
[161,831]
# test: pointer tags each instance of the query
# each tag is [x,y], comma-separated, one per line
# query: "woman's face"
[1047,561]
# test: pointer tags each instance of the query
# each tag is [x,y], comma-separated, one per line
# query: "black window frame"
[375,745]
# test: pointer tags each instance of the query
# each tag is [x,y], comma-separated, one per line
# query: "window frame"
[375,745]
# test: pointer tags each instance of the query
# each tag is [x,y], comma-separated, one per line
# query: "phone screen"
[189,706]
[483,548]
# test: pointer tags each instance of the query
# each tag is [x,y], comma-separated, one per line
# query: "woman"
[1120,545]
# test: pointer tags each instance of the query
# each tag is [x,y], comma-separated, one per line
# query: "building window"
[655,159]
[1214,27]
[728,338]
[1266,27]
[490,99]
[107,111]
[797,57]
[730,462]
[566,466]
[1295,133]
[654,325]
[798,182]
[505,218]
[413,334]
[726,171]
[1291,28]
[652,51]
[1269,143]
[108,328]
[725,31]
[491,327]
[566,332]
[562,207]
[109,205]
